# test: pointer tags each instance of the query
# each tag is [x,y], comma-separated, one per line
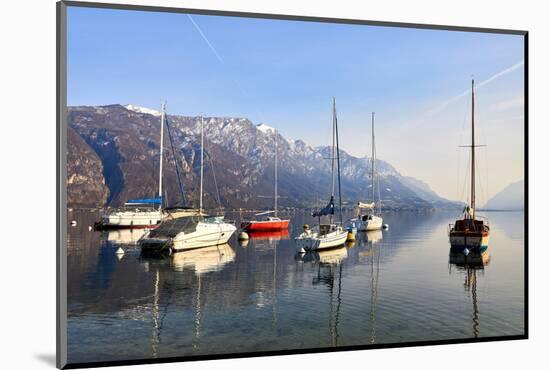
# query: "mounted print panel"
[237,184]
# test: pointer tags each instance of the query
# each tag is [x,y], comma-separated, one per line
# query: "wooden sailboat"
[269,223]
[329,235]
[372,219]
[469,233]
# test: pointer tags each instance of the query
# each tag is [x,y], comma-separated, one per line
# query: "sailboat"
[371,220]
[269,223]
[185,233]
[330,235]
[470,233]
[138,213]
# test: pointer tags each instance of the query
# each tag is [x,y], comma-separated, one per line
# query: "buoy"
[386,226]
[243,236]
[351,236]
[466,251]
[119,251]
[90,228]
[73,223]
[302,251]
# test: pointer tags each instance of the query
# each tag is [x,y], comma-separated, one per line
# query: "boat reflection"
[329,273]
[269,235]
[326,257]
[471,265]
[124,236]
[471,260]
[203,260]
[374,236]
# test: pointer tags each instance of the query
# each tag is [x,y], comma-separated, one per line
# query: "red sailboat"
[267,223]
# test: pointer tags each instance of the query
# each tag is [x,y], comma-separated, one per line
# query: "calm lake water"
[397,285]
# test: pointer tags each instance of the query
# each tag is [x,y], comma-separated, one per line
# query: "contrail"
[205,39]
[481,84]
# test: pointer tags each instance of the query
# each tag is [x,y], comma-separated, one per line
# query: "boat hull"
[314,243]
[130,220]
[373,223]
[205,235]
[252,226]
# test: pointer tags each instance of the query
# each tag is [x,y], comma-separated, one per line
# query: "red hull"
[265,225]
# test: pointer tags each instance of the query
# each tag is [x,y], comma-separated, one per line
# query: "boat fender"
[243,236]
[466,251]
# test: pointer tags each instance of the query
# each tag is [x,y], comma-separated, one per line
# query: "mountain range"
[511,198]
[113,155]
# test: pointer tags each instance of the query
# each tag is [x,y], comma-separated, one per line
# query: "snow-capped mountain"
[138,109]
[239,160]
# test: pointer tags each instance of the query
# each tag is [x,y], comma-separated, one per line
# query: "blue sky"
[284,74]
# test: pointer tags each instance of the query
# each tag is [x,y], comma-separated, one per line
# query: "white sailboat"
[330,235]
[139,213]
[368,219]
[185,233]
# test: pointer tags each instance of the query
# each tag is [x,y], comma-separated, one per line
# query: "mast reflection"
[471,264]
[329,273]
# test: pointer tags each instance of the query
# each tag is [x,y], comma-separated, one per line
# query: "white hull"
[312,241]
[132,219]
[206,235]
[372,223]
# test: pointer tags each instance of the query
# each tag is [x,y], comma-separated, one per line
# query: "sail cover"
[365,205]
[145,201]
[328,210]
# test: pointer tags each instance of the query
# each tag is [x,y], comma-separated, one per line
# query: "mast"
[338,162]
[161,150]
[202,164]
[332,154]
[473,174]
[276,173]
[372,157]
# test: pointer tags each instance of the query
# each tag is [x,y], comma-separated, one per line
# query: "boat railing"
[449,228]
[484,219]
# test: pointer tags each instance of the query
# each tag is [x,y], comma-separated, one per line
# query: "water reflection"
[123,236]
[389,287]
[270,235]
[374,236]
[471,265]
[203,260]
[325,257]
[374,287]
